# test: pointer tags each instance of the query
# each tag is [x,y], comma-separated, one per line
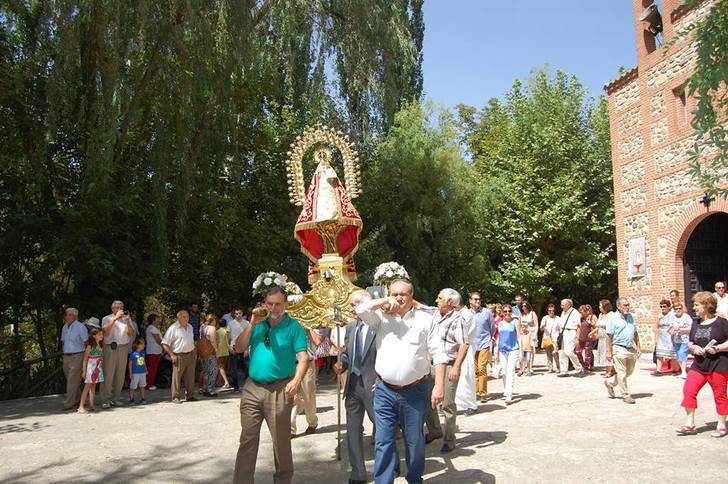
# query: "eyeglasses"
[719,287]
[507,311]
[266,338]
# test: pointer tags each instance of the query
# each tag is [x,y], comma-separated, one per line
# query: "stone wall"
[635,226]
[628,95]
[630,120]
[674,185]
[657,105]
[630,147]
[673,155]
[633,172]
[668,214]
[672,66]
[659,132]
[634,199]
[693,15]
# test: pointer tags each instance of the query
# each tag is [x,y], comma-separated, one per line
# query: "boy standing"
[138,372]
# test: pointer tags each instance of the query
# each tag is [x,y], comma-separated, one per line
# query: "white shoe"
[152,388]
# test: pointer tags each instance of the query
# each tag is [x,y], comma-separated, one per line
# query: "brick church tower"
[666,238]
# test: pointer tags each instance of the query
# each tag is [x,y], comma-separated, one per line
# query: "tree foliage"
[544,190]
[143,142]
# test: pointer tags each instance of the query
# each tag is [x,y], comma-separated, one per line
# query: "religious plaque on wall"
[636,258]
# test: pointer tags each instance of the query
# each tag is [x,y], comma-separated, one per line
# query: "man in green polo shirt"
[275,343]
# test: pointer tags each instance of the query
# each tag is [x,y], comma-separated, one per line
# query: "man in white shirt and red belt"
[407,340]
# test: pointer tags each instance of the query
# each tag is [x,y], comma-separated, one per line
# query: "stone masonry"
[655,196]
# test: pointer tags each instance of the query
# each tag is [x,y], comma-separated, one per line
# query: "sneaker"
[106,405]
[143,401]
[112,403]
[610,389]
[152,388]
[627,399]
[117,403]
[131,401]
[176,400]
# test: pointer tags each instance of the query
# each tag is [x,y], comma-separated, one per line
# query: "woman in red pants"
[708,343]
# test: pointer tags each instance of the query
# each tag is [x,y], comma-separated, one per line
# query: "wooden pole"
[338,398]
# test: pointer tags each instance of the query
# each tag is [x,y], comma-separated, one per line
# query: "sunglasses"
[719,287]
[507,311]
[266,338]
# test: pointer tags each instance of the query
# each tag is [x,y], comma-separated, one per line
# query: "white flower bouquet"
[388,272]
[268,280]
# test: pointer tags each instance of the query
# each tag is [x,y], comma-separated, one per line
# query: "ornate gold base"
[326,304]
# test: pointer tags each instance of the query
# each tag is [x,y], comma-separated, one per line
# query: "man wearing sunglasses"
[722,297]
[276,343]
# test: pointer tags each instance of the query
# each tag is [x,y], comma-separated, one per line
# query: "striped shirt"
[451,332]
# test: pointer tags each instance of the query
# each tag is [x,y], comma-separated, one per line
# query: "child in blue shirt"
[138,371]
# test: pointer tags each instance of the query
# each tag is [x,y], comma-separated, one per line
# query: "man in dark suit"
[358,357]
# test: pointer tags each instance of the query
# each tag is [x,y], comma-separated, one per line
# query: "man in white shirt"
[179,344]
[568,326]
[406,341]
[236,326]
[73,335]
[453,339]
[722,297]
[118,331]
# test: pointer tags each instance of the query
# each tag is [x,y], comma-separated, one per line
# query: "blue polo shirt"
[277,359]
[621,328]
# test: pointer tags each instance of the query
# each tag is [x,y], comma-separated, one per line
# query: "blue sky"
[475,49]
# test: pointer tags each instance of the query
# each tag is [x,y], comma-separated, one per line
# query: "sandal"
[687,430]
[720,433]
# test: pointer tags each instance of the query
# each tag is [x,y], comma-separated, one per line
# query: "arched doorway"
[705,259]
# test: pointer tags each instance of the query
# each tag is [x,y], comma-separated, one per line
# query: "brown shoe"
[627,399]
[310,430]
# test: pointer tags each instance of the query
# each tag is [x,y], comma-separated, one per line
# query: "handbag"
[547,342]
[204,348]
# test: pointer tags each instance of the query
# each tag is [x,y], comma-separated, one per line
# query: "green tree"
[417,206]
[143,142]
[544,196]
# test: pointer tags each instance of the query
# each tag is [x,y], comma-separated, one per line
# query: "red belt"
[399,388]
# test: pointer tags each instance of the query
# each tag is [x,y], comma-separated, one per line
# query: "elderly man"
[452,337]
[568,326]
[179,344]
[118,332]
[276,344]
[623,348]
[73,336]
[722,297]
[407,340]
[358,356]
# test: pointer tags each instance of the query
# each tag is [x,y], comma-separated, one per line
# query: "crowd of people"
[402,363]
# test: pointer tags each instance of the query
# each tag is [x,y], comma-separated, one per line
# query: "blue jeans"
[408,407]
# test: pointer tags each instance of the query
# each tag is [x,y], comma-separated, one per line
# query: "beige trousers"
[72,369]
[449,409]
[115,363]
[264,401]
[624,360]
[184,370]
[306,398]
